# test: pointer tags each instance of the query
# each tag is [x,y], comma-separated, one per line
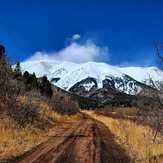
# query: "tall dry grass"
[16,139]
[136,139]
[48,109]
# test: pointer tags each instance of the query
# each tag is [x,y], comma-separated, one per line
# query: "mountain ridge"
[130,80]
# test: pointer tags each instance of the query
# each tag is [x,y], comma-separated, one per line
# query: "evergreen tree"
[34,83]
[26,77]
[17,70]
[45,87]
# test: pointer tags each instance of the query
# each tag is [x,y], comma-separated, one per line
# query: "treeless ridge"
[86,141]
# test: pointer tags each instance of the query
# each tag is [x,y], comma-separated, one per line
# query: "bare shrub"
[25,114]
[9,88]
[64,104]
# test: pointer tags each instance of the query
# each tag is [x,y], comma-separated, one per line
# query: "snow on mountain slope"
[50,68]
[99,71]
[72,73]
[151,76]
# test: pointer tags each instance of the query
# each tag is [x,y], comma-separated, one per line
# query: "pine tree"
[17,70]
[26,77]
[45,87]
[34,83]
[27,80]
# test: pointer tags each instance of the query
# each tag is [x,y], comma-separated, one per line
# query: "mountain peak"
[125,79]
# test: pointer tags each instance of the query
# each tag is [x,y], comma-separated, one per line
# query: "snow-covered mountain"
[93,76]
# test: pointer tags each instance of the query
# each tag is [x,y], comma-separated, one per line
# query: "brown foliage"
[64,104]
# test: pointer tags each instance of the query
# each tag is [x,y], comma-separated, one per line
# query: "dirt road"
[86,141]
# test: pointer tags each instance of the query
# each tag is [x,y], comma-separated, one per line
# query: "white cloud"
[76,37]
[76,52]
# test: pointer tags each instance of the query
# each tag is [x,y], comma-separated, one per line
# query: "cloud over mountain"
[75,52]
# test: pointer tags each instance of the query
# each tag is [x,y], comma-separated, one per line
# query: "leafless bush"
[154,107]
[9,89]
[25,114]
[64,104]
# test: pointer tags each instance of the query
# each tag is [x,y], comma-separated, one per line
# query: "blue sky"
[128,29]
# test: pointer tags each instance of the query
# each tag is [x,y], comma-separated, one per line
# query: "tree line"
[32,82]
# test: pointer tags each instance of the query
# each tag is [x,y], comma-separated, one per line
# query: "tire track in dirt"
[87,141]
[86,148]
[52,145]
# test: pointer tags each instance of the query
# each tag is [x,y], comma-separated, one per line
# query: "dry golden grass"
[136,139]
[48,112]
[15,140]
[127,111]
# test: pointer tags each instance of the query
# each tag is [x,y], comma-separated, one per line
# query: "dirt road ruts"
[86,141]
